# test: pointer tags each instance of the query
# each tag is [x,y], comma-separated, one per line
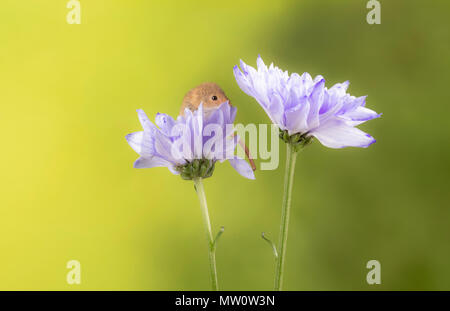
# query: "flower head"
[303,106]
[191,144]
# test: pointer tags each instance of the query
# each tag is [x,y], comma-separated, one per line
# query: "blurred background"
[69,94]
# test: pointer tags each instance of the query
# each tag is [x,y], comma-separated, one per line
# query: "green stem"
[211,245]
[291,155]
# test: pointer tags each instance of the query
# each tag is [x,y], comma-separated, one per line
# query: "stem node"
[274,248]
[222,229]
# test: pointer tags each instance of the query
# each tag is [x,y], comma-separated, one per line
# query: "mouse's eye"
[214,97]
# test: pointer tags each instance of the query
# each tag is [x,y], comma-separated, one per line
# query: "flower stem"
[291,155]
[211,245]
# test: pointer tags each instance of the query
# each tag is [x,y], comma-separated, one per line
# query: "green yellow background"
[69,94]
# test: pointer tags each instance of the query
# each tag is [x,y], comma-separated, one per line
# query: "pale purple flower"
[303,105]
[176,144]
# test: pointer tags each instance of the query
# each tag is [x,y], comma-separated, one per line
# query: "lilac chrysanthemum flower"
[190,146]
[304,106]
[185,146]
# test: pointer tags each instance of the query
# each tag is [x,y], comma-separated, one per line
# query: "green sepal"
[197,168]
[298,140]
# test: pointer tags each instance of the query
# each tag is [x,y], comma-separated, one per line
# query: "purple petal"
[163,147]
[242,167]
[260,64]
[145,122]
[232,115]
[135,141]
[316,100]
[296,117]
[242,81]
[337,134]
[340,88]
[276,109]
[149,162]
[244,67]
[351,103]
[165,123]
[361,114]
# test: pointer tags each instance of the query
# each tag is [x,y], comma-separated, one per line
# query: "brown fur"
[203,94]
